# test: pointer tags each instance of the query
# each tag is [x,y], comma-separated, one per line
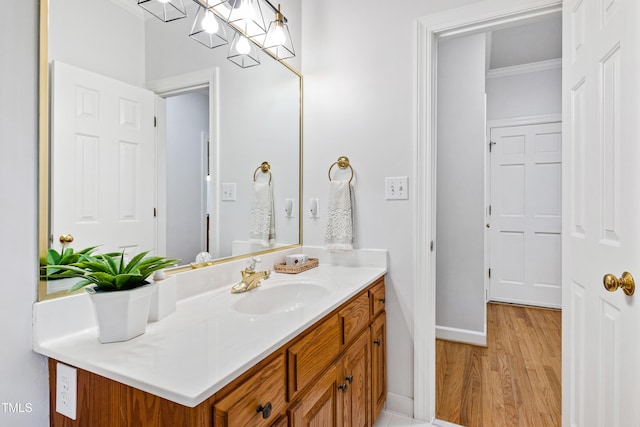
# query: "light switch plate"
[229,191]
[396,188]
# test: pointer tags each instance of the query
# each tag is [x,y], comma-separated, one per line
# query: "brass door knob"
[66,238]
[626,283]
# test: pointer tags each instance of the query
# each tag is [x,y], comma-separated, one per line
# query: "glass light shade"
[247,16]
[243,52]
[209,29]
[164,10]
[278,40]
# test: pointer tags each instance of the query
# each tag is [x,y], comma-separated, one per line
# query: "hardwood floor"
[514,381]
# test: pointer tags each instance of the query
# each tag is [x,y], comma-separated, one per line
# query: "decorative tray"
[295,269]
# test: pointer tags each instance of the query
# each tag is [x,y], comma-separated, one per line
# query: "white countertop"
[194,352]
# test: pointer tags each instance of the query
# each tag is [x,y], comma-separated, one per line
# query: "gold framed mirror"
[254,115]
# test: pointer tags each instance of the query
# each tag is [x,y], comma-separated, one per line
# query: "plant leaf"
[128,281]
[80,284]
[135,261]
[111,263]
[53,257]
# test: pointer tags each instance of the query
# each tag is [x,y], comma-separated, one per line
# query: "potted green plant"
[120,291]
[49,265]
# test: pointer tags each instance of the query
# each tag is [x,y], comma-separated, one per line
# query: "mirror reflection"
[156,141]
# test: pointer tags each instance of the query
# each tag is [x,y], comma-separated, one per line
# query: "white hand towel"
[262,226]
[339,233]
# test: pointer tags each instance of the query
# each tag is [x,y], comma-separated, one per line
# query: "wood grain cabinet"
[332,374]
[312,353]
[318,405]
[378,364]
[257,401]
[354,383]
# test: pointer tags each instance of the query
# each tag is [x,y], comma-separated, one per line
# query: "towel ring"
[265,167]
[343,163]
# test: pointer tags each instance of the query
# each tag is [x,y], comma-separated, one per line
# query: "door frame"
[175,85]
[477,17]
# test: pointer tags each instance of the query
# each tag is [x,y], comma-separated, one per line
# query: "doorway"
[498,218]
[190,160]
[187,174]
[469,20]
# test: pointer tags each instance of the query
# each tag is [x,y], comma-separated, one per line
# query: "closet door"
[526,214]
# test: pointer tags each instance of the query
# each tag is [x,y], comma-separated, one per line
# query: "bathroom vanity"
[304,350]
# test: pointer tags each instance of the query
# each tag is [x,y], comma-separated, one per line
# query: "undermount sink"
[280,297]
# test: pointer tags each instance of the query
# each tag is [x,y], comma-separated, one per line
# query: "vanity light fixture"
[247,16]
[278,39]
[208,28]
[164,10]
[243,52]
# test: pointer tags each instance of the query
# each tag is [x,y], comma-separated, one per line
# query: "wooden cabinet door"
[256,402]
[309,356]
[283,421]
[377,298]
[354,317]
[319,406]
[378,365]
[356,383]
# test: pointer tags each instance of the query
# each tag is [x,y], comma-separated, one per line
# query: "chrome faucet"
[251,279]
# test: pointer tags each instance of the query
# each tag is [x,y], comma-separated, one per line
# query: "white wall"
[23,373]
[254,129]
[360,95]
[460,185]
[521,95]
[77,37]
[187,119]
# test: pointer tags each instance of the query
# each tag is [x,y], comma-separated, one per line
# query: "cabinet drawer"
[354,317]
[256,402]
[312,354]
[377,298]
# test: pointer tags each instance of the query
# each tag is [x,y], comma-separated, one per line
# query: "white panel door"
[526,212]
[103,169]
[601,205]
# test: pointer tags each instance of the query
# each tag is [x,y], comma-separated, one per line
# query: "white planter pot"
[121,315]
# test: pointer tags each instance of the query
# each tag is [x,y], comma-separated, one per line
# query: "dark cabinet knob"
[266,410]
[382,300]
[377,342]
[349,378]
[343,387]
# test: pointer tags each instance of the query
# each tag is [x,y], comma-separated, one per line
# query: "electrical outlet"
[66,390]
[229,191]
[314,208]
[396,188]
[288,208]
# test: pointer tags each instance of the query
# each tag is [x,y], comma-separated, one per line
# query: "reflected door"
[103,162]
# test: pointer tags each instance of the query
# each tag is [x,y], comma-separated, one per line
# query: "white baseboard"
[441,423]
[398,404]
[461,335]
